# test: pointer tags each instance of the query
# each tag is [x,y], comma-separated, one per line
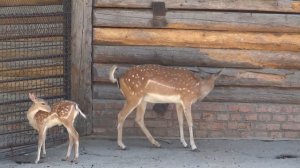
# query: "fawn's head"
[39,104]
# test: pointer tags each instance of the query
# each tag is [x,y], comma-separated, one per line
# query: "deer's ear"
[218,74]
[32,97]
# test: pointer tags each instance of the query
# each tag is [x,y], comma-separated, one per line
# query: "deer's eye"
[43,104]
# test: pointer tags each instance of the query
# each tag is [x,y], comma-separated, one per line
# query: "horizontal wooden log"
[30,84]
[178,19]
[23,94]
[33,72]
[30,30]
[197,38]
[31,20]
[221,94]
[196,57]
[29,2]
[230,77]
[31,43]
[31,53]
[23,64]
[253,5]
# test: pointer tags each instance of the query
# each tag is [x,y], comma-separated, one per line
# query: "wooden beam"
[203,20]
[30,84]
[32,53]
[31,20]
[32,43]
[196,56]
[29,2]
[31,30]
[230,77]
[81,58]
[197,38]
[253,5]
[23,94]
[221,94]
[35,72]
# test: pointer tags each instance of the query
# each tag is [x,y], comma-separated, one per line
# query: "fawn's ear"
[32,97]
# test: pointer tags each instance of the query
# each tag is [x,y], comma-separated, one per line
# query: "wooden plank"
[178,19]
[33,72]
[30,30]
[30,84]
[81,59]
[197,38]
[31,63]
[31,43]
[23,94]
[221,94]
[253,5]
[230,77]
[29,2]
[196,57]
[31,20]
[31,53]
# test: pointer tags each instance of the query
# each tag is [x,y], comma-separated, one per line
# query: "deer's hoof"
[65,159]
[122,146]
[195,150]
[75,161]
[184,144]
[156,144]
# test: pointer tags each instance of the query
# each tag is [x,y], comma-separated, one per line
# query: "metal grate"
[34,57]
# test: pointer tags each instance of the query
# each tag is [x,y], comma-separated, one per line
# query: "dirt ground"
[97,152]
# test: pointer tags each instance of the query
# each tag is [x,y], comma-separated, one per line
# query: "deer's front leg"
[140,113]
[42,138]
[44,146]
[189,119]
[179,110]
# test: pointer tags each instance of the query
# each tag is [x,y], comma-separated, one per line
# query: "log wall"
[258,96]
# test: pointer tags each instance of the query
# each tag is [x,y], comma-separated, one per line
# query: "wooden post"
[81,61]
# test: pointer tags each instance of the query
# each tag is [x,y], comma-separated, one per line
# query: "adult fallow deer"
[160,84]
[41,117]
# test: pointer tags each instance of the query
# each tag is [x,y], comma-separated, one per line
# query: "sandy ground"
[96,152]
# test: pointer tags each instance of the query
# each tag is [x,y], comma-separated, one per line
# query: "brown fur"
[41,117]
[160,84]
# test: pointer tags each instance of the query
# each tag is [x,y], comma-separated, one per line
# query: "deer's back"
[141,76]
[62,108]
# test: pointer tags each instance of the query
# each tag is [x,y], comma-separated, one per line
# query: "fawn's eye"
[43,103]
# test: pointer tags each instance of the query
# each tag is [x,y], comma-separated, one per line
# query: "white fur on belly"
[156,98]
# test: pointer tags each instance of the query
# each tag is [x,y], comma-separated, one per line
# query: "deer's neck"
[204,88]
[30,116]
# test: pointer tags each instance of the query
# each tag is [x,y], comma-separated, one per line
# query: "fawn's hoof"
[195,150]
[75,161]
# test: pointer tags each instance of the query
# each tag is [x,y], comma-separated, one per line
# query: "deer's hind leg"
[73,141]
[129,106]
[70,146]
